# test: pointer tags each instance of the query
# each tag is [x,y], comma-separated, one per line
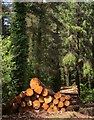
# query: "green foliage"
[19,43]
[7,66]
[87,70]
[87,95]
[69,59]
[59,46]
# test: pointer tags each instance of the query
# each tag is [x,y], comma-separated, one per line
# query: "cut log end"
[45,106]
[48,99]
[29,92]
[67,103]
[45,92]
[60,104]
[29,103]
[41,99]
[67,97]
[55,101]
[57,95]
[38,90]
[62,99]
[34,83]
[36,104]
[49,110]
[22,94]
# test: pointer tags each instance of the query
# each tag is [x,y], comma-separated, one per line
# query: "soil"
[34,116]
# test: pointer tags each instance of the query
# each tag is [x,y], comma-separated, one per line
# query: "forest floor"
[69,115]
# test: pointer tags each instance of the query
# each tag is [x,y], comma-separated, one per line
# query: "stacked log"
[39,98]
[72,91]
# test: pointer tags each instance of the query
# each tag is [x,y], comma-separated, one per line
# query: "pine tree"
[20,46]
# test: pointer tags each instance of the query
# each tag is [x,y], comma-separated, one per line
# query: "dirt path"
[44,116]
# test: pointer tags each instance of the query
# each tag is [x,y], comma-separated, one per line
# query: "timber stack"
[39,98]
[73,92]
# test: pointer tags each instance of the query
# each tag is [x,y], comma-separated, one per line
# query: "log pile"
[73,92]
[39,98]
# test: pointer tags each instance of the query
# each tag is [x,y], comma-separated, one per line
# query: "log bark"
[51,105]
[27,98]
[22,94]
[45,92]
[62,110]
[23,104]
[28,109]
[73,108]
[41,99]
[29,103]
[18,99]
[15,106]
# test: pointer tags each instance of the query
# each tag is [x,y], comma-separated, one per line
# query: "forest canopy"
[51,41]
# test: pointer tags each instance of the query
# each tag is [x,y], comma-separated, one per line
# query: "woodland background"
[51,41]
